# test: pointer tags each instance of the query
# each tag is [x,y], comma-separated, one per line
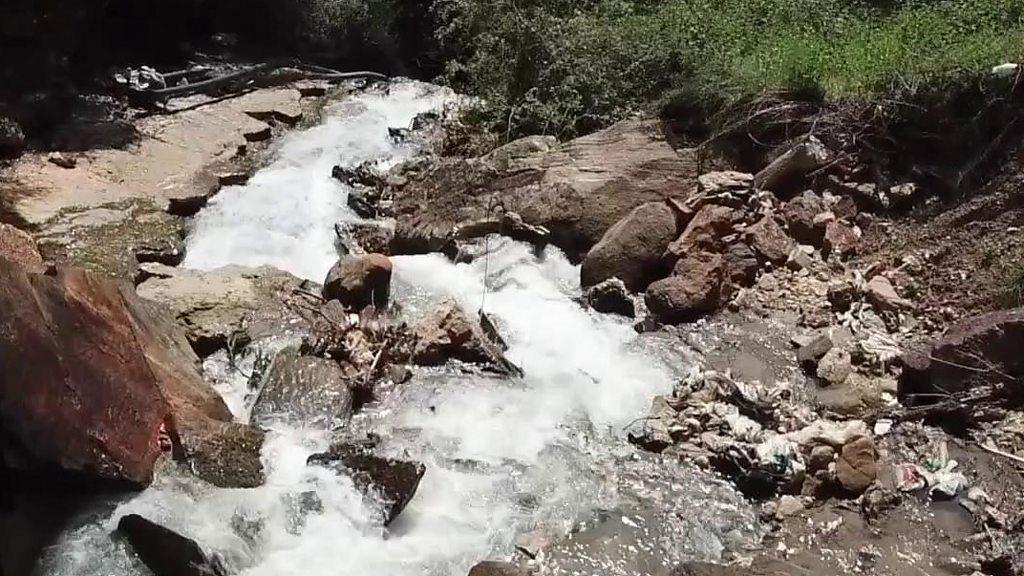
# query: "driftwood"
[267,73]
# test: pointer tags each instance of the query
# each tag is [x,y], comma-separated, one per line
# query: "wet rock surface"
[359,281]
[393,482]
[166,552]
[308,389]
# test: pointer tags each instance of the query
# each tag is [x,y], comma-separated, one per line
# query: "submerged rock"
[494,568]
[632,249]
[611,297]
[360,281]
[393,482]
[166,552]
[305,388]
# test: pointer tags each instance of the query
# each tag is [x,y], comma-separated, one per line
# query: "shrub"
[564,67]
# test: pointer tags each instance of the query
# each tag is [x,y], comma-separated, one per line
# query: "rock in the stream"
[788,173]
[308,389]
[393,482]
[693,290]
[632,249]
[166,552]
[857,466]
[365,238]
[495,568]
[974,351]
[212,306]
[770,240]
[611,297]
[108,374]
[360,281]
[447,332]
[18,247]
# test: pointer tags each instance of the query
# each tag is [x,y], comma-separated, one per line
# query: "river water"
[506,459]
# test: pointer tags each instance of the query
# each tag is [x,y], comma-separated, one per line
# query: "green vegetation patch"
[566,67]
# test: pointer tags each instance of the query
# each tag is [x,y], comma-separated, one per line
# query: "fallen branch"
[992,449]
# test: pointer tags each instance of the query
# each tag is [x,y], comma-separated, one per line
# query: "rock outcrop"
[577,190]
[96,381]
[360,281]
[447,332]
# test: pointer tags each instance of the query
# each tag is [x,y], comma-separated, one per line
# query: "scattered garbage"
[937,473]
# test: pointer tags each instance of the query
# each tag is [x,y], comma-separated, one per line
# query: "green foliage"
[1013,295]
[569,66]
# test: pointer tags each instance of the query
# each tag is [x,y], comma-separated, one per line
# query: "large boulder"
[693,290]
[770,241]
[632,249]
[801,213]
[360,281]
[391,481]
[212,307]
[306,389]
[18,247]
[857,466]
[165,552]
[96,379]
[447,332]
[576,190]
[984,349]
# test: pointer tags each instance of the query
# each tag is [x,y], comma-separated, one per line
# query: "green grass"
[566,67]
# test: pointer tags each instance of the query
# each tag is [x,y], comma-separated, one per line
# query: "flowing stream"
[507,460]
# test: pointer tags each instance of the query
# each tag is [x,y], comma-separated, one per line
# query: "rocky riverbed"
[325,343]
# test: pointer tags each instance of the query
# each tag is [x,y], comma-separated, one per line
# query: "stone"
[447,332]
[840,239]
[741,266]
[726,181]
[360,281]
[367,238]
[799,214]
[164,551]
[787,174]
[990,343]
[18,247]
[168,253]
[857,466]
[632,249]
[110,377]
[215,306]
[611,297]
[304,389]
[834,367]
[391,481]
[845,209]
[841,295]
[789,506]
[820,458]
[58,159]
[799,260]
[494,568]
[225,454]
[692,291]
[880,293]
[706,231]
[770,241]
[364,201]
[902,195]
[810,353]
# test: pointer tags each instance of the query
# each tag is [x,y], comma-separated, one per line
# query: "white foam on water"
[503,456]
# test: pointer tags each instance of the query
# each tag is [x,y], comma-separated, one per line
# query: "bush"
[564,67]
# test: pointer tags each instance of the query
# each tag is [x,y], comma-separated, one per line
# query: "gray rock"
[632,249]
[166,552]
[834,367]
[881,294]
[810,353]
[307,389]
[493,568]
[787,174]
[393,482]
[611,297]
[359,281]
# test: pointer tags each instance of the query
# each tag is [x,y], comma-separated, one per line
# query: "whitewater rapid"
[504,457]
